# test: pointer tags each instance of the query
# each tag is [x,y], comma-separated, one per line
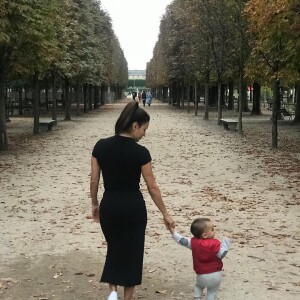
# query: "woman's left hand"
[95,213]
[169,222]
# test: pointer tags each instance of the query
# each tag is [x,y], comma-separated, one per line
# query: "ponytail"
[130,114]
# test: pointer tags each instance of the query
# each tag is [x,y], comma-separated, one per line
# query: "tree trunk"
[297,110]
[54,96]
[103,94]
[68,100]
[230,95]
[77,99]
[241,103]
[165,94]
[188,96]
[195,98]
[36,104]
[256,110]
[213,96]
[182,95]
[46,93]
[276,91]
[245,96]
[3,131]
[206,99]
[90,96]
[96,96]
[172,91]
[25,92]
[223,95]
[158,93]
[6,103]
[85,97]
[219,101]
[20,100]
[178,93]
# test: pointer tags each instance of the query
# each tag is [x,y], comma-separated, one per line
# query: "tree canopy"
[226,37]
[71,38]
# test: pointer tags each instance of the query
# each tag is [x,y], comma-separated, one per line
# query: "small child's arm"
[183,241]
[225,245]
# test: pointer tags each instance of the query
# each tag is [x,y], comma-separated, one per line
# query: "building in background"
[136,79]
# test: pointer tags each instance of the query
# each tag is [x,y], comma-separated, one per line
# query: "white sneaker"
[113,296]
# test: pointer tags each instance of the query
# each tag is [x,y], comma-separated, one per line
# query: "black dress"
[123,215]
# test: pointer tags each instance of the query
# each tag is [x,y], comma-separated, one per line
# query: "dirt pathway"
[50,249]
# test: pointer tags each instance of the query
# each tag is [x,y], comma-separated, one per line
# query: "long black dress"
[123,215]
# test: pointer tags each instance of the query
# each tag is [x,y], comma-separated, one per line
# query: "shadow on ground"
[74,276]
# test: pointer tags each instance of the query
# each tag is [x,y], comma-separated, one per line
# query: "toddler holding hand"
[208,253]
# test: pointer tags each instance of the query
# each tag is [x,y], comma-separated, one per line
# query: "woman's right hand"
[95,213]
[169,222]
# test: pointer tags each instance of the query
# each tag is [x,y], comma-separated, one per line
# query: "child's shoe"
[113,296]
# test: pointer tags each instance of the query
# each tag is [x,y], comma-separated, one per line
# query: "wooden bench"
[229,124]
[24,105]
[46,125]
[285,113]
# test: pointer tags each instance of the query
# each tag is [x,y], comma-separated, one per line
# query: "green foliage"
[71,37]
[211,39]
[195,42]
[275,31]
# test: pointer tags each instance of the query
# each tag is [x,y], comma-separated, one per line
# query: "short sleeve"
[144,156]
[96,150]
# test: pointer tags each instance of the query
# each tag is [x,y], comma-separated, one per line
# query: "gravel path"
[50,249]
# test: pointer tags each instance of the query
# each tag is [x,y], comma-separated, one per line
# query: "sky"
[136,24]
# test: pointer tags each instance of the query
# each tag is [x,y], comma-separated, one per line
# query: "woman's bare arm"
[94,185]
[155,193]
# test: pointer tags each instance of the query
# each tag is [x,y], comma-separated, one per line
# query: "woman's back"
[120,159]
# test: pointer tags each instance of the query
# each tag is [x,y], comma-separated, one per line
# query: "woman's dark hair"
[130,114]
[198,227]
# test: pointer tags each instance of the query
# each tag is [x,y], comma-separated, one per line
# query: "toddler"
[207,256]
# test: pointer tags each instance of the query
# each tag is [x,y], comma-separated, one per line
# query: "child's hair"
[198,227]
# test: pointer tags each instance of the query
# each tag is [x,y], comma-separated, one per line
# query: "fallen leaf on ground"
[161,292]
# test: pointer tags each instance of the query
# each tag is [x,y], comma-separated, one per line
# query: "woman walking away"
[123,215]
[144,98]
[149,98]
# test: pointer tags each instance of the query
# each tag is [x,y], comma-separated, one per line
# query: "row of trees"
[67,40]
[234,42]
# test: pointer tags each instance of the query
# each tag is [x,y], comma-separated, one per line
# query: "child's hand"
[172,229]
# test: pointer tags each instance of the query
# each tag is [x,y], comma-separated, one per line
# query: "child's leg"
[213,284]
[198,289]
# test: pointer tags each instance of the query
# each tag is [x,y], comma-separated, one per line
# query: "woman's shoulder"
[142,148]
[103,142]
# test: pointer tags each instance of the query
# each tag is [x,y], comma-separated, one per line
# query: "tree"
[70,40]
[276,47]
[26,45]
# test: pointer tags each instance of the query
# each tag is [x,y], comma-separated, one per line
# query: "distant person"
[144,98]
[140,96]
[133,95]
[208,253]
[148,98]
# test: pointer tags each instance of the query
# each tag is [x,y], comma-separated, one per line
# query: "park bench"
[46,125]
[25,105]
[59,103]
[285,113]
[229,124]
